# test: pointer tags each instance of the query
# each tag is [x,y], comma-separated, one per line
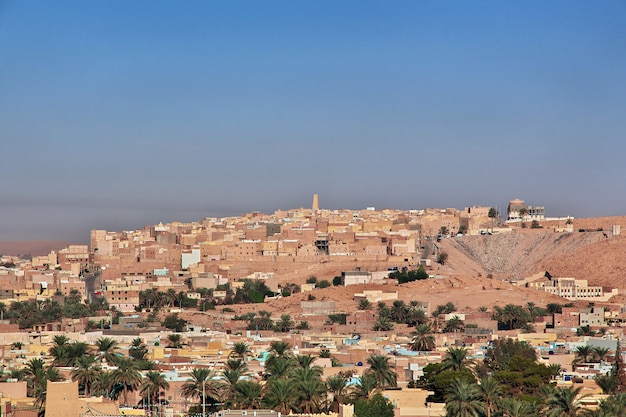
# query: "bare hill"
[514,255]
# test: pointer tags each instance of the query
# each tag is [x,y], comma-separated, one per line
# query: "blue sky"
[119,114]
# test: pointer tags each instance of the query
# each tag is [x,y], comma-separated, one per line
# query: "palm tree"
[61,340]
[128,376]
[512,407]
[50,374]
[309,388]
[279,360]
[532,309]
[248,395]
[234,371]
[583,353]
[398,311]
[564,402]
[200,377]
[264,321]
[337,386]
[280,395]
[607,383]
[278,368]
[613,406]
[383,324]
[59,354]
[489,391]
[423,339]
[240,350]
[285,324]
[104,384]
[138,349]
[107,348]
[555,370]
[35,374]
[305,361]
[152,385]
[463,400]
[86,372]
[416,313]
[65,353]
[585,331]
[455,323]
[522,215]
[18,374]
[436,314]
[175,341]
[600,353]
[380,368]
[456,359]
[365,389]
[364,304]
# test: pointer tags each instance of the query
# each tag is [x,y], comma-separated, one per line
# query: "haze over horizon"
[116,115]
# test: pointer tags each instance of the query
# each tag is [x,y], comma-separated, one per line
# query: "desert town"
[315,311]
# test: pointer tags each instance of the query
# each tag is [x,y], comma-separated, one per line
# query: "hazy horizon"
[116,115]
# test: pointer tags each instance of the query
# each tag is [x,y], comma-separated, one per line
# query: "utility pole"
[204,397]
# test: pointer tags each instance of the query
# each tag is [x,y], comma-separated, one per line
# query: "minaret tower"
[316,203]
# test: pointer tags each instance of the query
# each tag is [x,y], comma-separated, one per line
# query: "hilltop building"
[517,207]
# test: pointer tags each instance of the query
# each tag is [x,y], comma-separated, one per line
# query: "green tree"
[262,322]
[323,284]
[173,322]
[378,406]
[503,350]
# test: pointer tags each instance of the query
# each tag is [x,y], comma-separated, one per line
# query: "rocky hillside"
[595,256]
